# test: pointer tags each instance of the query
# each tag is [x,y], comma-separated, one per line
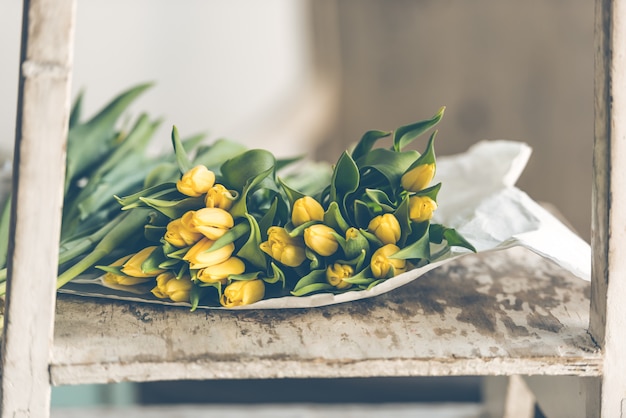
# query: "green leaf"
[117,270]
[406,134]
[245,276]
[250,251]
[160,190]
[292,194]
[268,218]
[345,180]
[169,264]
[239,170]
[428,157]
[391,165]
[381,198]
[402,215]
[362,214]
[277,275]
[233,234]
[133,144]
[367,142]
[77,108]
[334,218]
[151,264]
[90,142]
[430,192]
[174,209]
[316,287]
[154,233]
[183,160]
[439,232]
[315,276]
[240,207]
[418,248]
[195,294]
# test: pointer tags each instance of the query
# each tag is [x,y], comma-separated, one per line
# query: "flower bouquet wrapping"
[222,225]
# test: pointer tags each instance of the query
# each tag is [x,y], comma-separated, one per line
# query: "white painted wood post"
[608,290]
[38,177]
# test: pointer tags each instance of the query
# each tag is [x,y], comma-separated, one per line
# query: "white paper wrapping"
[478,198]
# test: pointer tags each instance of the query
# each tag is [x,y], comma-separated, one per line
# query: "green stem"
[132,223]
[77,247]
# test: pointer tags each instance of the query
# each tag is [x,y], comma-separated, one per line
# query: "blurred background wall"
[309,77]
[295,76]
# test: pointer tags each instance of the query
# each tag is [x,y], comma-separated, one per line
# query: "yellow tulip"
[211,222]
[386,228]
[243,292]
[199,255]
[116,281]
[418,178]
[382,266]
[132,267]
[306,209]
[320,239]
[283,248]
[180,236]
[168,286]
[196,181]
[336,273]
[219,196]
[421,208]
[221,271]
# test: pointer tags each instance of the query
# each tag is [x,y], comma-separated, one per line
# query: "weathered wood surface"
[508,312]
[42,123]
[607,397]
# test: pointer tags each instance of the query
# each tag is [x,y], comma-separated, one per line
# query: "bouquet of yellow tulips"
[221,225]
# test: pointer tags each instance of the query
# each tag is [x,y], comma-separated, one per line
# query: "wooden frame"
[27,344]
[38,178]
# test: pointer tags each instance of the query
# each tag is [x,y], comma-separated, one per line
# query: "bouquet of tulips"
[221,224]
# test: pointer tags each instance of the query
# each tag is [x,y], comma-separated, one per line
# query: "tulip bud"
[320,239]
[219,196]
[418,178]
[196,181]
[242,292]
[386,228]
[112,279]
[132,267]
[336,273]
[221,271]
[306,209]
[283,248]
[211,222]
[382,266]
[421,208]
[168,286]
[180,236]
[199,255]
[355,243]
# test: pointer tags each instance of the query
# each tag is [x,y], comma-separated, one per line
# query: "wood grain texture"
[502,313]
[608,312]
[42,123]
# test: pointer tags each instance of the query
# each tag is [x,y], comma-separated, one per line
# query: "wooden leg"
[38,175]
[507,397]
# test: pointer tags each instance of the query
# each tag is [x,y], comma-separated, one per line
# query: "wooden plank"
[42,121]
[503,313]
[608,312]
